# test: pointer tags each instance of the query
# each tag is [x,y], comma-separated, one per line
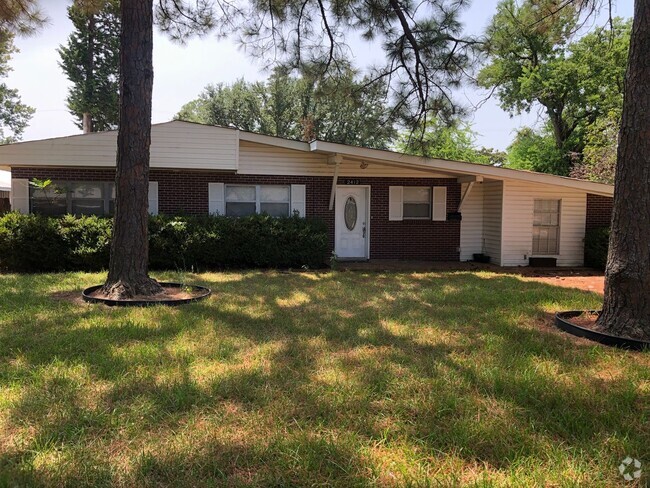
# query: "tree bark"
[626,309]
[128,268]
[86,120]
[87,123]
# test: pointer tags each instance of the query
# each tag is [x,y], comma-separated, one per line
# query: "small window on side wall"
[546,227]
[417,203]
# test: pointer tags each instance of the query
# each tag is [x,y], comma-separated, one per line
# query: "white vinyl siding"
[492,219]
[173,145]
[471,227]
[518,214]
[263,159]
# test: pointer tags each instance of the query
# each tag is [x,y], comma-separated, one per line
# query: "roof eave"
[462,168]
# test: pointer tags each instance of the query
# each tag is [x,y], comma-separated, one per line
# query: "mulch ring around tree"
[172,294]
[582,323]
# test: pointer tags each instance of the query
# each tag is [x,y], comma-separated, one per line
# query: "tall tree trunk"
[626,310]
[87,123]
[128,268]
[89,92]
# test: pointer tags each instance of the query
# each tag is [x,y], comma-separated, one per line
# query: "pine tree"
[90,60]
[14,115]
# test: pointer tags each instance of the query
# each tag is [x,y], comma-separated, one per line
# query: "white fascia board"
[274,141]
[460,167]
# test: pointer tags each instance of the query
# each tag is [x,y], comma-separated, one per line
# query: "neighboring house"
[377,204]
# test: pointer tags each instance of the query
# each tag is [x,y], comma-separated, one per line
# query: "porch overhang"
[457,169]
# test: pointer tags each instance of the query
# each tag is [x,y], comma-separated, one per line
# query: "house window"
[77,198]
[243,200]
[546,227]
[417,202]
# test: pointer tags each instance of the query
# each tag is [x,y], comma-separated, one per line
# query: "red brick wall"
[599,211]
[186,192]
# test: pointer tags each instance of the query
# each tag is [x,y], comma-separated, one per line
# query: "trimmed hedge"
[33,243]
[596,246]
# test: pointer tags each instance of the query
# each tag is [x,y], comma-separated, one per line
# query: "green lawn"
[333,378]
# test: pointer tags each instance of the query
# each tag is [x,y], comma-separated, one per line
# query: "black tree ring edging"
[562,321]
[202,291]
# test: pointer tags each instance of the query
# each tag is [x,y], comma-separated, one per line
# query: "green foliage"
[339,109]
[534,61]
[536,151]
[21,16]
[425,52]
[14,115]
[456,141]
[601,145]
[90,60]
[596,246]
[87,241]
[33,243]
[258,241]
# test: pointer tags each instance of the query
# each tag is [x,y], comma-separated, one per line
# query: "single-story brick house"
[377,204]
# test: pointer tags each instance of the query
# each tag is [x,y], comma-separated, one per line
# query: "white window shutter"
[298,199]
[395,203]
[216,198]
[439,211]
[20,195]
[153,198]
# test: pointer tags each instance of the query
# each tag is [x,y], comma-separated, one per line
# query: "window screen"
[78,198]
[417,202]
[546,227]
[242,200]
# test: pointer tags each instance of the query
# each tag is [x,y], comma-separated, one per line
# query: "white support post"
[336,160]
[465,195]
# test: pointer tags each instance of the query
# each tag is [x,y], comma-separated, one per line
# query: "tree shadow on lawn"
[335,365]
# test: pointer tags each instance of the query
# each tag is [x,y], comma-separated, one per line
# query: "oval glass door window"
[350,213]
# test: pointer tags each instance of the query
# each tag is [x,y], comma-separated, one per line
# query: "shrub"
[258,241]
[596,245]
[31,243]
[34,243]
[87,241]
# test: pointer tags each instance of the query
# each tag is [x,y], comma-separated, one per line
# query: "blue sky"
[182,71]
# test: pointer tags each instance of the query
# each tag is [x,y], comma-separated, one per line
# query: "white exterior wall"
[173,145]
[262,159]
[493,219]
[518,222]
[471,227]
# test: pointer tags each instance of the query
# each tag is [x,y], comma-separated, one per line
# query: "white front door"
[351,222]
